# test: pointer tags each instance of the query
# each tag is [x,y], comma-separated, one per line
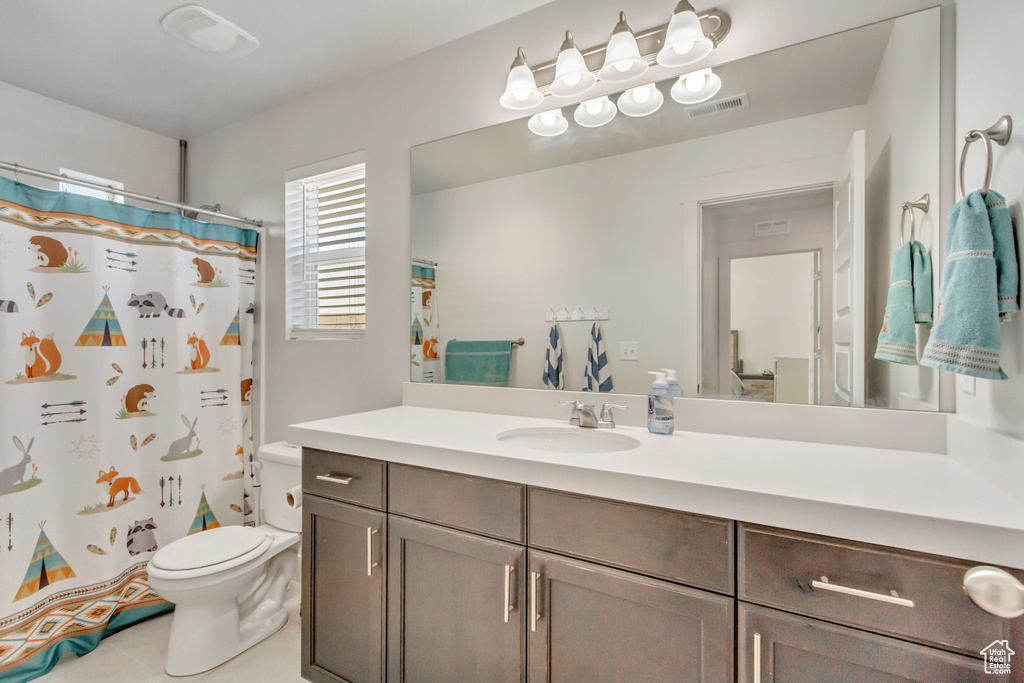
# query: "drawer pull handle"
[370,564]
[508,590]
[996,591]
[892,598]
[335,478]
[757,658]
[534,580]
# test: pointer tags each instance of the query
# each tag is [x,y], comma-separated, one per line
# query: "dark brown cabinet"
[776,647]
[455,608]
[591,623]
[343,597]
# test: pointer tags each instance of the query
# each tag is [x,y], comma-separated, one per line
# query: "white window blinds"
[325,222]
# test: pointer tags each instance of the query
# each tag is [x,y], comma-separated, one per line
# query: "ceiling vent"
[718,106]
[209,32]
[771,228]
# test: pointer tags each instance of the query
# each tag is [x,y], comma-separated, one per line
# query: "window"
[325,246]
[64,186]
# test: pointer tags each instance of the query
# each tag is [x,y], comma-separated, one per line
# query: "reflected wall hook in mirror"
[998,133]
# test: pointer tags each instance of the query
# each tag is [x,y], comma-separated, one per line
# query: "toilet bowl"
[228,584]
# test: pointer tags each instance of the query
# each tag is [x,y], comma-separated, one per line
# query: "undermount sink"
[568,439]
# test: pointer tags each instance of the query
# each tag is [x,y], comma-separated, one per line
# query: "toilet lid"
[210,547]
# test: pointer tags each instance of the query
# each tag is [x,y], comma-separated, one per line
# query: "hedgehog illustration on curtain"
[103,328]
[47,566]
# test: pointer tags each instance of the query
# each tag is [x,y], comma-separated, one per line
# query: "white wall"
[988,86]
[46,134]
[902,164]
[446,91]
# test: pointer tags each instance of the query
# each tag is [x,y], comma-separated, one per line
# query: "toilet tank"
[281,473]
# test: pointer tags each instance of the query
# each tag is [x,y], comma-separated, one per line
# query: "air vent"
[209,32]
[719,106]
[771,228]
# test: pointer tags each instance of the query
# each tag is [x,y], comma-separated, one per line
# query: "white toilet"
[228,584]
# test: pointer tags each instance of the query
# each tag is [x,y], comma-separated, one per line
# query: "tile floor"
[137,654]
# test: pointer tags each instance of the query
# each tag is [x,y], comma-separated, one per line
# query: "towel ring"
[908,207]
[998,133]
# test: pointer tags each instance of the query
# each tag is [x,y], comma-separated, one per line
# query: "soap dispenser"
[660,406]
[673,383]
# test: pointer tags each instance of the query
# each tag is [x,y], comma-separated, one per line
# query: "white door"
[848,278]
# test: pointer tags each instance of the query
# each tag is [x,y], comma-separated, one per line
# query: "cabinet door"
[343,598]
[776,647]
[454,611]
[589,623]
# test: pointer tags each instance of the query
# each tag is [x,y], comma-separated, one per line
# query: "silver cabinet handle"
[370,564]
[996,591]
[892,598]
[335,478]
[508,590]
[534,578]
[757,658]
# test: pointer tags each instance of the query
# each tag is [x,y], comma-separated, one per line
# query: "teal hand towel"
[485,363]
[897,342]
[977,284]
[922,265]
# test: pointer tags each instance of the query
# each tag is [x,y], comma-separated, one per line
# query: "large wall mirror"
[744,242]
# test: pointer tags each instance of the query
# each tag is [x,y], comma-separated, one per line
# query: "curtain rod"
[425,262]
[16,168]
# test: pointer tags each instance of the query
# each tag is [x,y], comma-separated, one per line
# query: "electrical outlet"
[629,350]
[967,384]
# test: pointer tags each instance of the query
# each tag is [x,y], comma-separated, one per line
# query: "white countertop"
[918,501]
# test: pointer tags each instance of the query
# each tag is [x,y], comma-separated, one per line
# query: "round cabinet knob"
[995,591]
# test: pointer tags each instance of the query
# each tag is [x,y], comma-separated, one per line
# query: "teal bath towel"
[485,363]
[979,284]
[909,302]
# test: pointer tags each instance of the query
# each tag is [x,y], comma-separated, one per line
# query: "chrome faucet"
[583,414]
[607,421]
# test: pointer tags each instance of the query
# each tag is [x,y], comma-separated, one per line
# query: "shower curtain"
[424,334]
[125,378]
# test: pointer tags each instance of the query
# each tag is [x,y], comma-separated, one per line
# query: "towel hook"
[908,207]
[998,133]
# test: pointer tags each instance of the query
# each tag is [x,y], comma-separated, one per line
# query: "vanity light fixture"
[696,87]
[596,112]
[572,77]
[685,42]
[548,124]
[622,60]
[521,88]
[641,100]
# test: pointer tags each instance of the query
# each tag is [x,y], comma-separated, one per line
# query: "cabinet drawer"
[676,546]
[343,477]
[485,506]
[777,568]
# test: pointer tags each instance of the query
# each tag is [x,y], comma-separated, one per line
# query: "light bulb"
[520,95]
[642,95]
[682,47]
[572,80]
[694,82]
[547,118]
[593,107]
[622,67]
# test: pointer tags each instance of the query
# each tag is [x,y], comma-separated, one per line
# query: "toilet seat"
[212,550]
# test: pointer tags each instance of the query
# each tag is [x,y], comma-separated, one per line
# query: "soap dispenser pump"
[673,384]
[660,418]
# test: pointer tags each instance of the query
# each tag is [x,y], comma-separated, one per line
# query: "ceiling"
[112,57]
[816,76]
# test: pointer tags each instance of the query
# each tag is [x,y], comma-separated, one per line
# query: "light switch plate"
[967,384]
[629,350]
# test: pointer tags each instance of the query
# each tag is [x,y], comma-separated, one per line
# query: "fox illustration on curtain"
[81,353]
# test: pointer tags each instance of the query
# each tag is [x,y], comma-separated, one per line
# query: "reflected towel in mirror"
[485,363]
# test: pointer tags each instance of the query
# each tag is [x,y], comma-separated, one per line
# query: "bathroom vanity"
[435,551]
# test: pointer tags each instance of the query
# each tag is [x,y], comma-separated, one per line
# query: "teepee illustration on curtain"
[204,517]
[47,566]
[417,331]
[103,328]
[231,337]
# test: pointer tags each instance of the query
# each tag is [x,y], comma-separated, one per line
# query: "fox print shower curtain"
[125,378]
